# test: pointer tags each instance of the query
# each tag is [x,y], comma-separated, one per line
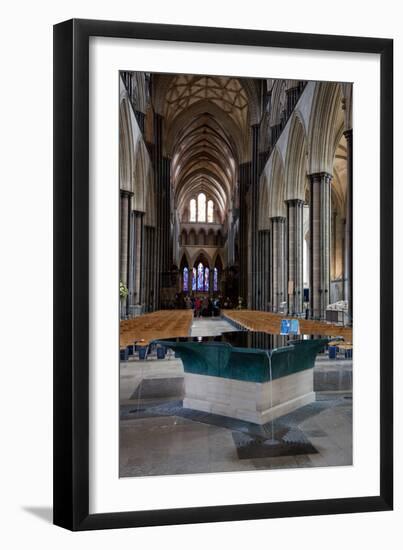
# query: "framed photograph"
[223,271]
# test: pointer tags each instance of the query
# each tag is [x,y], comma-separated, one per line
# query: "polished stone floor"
[210,326]
[158,436]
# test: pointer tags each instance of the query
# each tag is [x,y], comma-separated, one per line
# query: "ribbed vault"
[206,119]
[203,161]
[225,92]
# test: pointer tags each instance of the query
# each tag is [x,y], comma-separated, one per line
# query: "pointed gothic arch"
[277,187]
[296,161]
[126,145]
[325,125]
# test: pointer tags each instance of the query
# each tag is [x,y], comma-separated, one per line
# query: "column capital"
[320,177]
[126,193]
[295,202]
[279,219]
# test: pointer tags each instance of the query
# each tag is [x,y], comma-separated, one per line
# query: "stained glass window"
[194,279]
[193,210]
[200,277]
[206,279]
[185,279]
[215,280]
[210,212]
[201,207]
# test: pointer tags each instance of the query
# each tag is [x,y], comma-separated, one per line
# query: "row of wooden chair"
[159,324]
[264,321]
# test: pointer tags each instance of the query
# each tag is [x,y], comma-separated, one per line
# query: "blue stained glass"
[194,279]
[206,279]
[185,279]
[200,273]
[215,280]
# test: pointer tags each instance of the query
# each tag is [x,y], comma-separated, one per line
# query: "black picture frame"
[71,274]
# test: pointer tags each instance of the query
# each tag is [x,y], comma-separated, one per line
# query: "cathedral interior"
[235,213]
[237,187]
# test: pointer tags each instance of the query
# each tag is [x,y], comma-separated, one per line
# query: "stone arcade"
[240,187]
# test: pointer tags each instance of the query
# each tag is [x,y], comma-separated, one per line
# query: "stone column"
[142,267]
[348,239]
[265,269]
[158,164]
[163,245]
[261,270]
[268,270]
[124,234]
[295,255]
[135,265]
[132,263]
[124,242]
[138,243]
[254,182]
[319,243]
[257,285]
[168,243]
[244,172]
[278,262]
[153,295]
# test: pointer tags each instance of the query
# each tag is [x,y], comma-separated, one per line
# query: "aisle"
[212,326]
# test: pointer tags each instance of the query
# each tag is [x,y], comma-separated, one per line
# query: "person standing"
[197,307]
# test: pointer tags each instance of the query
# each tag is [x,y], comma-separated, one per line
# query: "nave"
[236,190]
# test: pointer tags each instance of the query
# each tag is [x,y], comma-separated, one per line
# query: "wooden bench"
[159,324]
[264,321]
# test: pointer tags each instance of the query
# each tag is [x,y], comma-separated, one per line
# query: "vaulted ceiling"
[225,92]
[206,121]
[203,161]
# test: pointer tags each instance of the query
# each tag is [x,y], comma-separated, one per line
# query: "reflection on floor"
[210,327]
[158,436]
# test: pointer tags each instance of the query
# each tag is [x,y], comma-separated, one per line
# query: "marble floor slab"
[211,326]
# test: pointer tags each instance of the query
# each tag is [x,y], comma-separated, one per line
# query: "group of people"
[206,306]
[202,305]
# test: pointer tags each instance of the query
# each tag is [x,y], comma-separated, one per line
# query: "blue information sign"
[289,326]
[294,328]
[285,327]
